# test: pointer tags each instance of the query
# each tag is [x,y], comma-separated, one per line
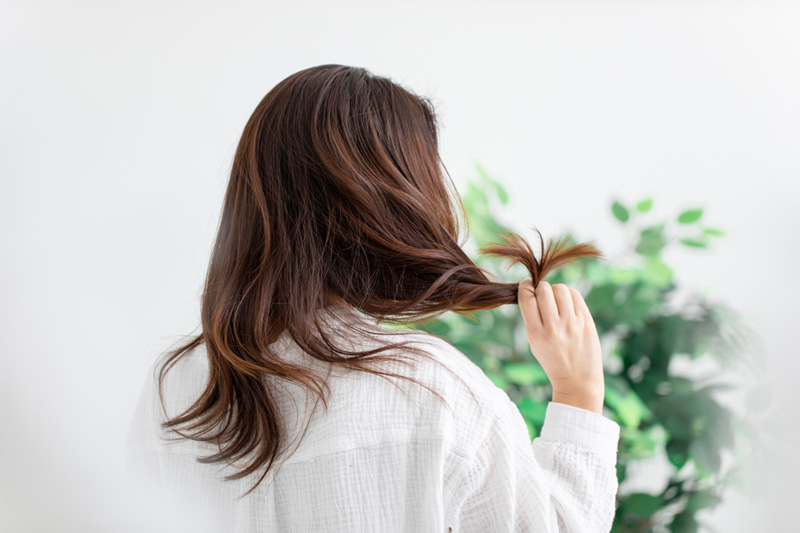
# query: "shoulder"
[442,361]
[171,385]
[473,401]
[458,367]
[184,377]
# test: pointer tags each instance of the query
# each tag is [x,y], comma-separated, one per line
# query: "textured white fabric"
[387,460]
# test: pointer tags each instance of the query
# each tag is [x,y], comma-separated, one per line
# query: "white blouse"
[388,460]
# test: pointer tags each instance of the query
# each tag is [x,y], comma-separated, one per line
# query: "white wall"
[119,121]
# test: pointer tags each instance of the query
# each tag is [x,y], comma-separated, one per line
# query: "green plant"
[658,410]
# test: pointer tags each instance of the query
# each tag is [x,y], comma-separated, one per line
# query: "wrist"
[582,400]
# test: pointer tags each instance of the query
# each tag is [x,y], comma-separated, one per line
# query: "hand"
[564,339]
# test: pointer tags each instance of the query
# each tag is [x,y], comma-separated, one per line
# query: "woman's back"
[337,193]
[386,459]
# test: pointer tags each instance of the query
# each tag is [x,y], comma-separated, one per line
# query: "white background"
[119,121]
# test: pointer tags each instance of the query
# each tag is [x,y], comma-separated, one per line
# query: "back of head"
[337,195]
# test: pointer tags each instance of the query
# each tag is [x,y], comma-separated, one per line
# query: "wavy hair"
[336,197]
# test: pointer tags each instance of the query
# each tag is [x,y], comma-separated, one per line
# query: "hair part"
[336,192]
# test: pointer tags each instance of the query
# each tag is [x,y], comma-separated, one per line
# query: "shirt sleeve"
[564,481]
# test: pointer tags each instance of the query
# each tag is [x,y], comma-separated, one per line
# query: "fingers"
[563,298]
[580,304]
[527,304]
[547,304]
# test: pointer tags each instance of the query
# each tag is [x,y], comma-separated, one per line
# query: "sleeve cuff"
[566,423]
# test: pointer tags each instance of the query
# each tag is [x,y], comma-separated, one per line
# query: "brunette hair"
[336,194]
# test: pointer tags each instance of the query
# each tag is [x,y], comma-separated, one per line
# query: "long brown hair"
[336,195]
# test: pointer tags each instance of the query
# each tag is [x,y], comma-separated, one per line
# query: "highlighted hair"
[336,194]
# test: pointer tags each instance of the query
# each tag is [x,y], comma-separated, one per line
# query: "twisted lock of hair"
[336,193]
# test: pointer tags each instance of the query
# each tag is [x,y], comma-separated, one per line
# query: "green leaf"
[677,451]
[601,297]
[706,454]
[659,273]
[497,379]
[531,429]
[702,499]
[694,243]
[617,383]
[525,373]
[623,276]
[644,205]
[628,406]
[636,305]
[653,231]
[677,335]
[620,211]
[622,470]
[436,326]
[485,230]
[684,522]
[690,215]
[467,345]
[651,240]
[713,231]
[642,504]
[475,203]
[532,410]
[502,194]
[646,442]
[719,387]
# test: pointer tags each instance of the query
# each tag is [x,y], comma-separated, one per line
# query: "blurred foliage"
[658,411]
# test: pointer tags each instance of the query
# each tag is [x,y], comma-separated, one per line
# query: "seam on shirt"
[379,443]
[168,448]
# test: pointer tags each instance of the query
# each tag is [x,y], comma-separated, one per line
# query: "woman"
[338,218]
